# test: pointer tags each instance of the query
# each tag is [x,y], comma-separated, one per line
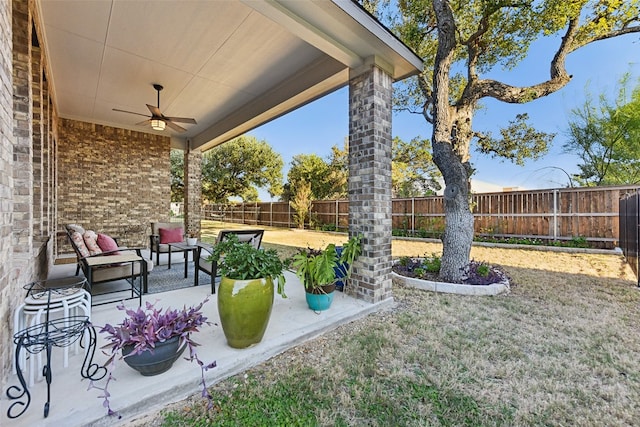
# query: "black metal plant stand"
[62,332]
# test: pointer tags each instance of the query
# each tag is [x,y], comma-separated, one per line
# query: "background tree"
[413,173]
[314,170]
[606,137]
[177,175]
[339,171]
[301,202]
[238,168]
[459,41]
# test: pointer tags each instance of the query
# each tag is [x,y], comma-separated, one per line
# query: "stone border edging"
[616,251]
[452,288]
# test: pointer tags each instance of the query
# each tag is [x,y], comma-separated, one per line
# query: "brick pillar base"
[370,182]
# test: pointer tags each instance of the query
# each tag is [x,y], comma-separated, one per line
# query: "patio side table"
[185,248]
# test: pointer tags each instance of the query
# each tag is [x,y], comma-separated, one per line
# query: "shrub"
[432,264]
[480,273]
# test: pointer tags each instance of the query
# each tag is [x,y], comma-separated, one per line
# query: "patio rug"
[162,279]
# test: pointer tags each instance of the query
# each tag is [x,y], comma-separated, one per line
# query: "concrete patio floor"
[133,395]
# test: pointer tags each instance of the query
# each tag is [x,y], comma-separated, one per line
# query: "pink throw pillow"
[107,244]
[78,241]
[91,240]
[171,235]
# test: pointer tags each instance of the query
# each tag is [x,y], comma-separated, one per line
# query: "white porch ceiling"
[232,65]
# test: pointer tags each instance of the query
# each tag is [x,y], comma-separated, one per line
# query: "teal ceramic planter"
[319,302]
[321,298]
[245,309]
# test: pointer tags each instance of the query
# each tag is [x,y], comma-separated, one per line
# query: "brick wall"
[6,186]
[23,134]
[112,180]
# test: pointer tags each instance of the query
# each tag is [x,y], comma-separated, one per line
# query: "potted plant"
[319,271]
[150,340]
[192,239]
[245,294]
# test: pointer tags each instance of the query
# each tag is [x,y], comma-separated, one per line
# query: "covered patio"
[70,155]
[73,404]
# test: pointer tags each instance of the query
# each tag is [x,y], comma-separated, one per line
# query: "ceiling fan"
[158,121]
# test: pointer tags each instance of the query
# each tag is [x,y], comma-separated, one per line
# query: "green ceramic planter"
[245,309]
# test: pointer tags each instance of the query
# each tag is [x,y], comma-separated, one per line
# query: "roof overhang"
[231,65]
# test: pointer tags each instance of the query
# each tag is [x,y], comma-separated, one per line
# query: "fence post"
[636,221]
[413,216]
[555,214]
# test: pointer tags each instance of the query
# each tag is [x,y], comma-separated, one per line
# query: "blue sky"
[318,126]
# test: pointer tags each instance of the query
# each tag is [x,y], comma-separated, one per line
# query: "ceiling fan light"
[158,124]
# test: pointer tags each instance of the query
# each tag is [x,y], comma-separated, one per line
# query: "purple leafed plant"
[480,273]
[142,329]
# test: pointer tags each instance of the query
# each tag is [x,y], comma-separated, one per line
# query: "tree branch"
[473,43]
[516,95]
[609,35]
[558,74]
[428,103]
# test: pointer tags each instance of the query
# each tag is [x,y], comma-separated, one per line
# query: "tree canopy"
[606,138]
[238,168]
[461,42]
[413,173]
[328,179]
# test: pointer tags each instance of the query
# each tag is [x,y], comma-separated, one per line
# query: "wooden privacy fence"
[551,214]
[630,228]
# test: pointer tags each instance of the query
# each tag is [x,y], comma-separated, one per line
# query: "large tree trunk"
[458,232]
[451,136]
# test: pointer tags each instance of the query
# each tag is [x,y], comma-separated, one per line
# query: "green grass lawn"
[561,349]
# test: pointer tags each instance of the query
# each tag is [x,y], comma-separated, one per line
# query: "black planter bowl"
[162,358]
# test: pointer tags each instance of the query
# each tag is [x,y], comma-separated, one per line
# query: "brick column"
[370,181]
[192,191]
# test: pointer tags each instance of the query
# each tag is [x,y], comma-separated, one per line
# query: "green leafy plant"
[317,268]
[480,273]
[242,261]
[483,270]
[404,261]
[432,264]
[579,242]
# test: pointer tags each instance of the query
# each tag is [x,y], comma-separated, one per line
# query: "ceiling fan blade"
[175,126]
[130,112]
[182,120]
[155,111]
[144,122]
